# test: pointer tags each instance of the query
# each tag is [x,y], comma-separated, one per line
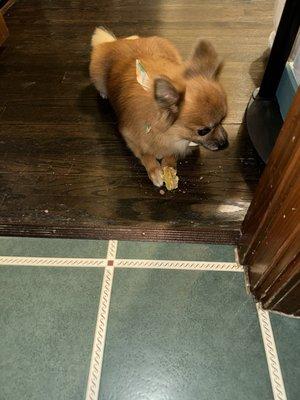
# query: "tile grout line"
[277,382]
[93,383]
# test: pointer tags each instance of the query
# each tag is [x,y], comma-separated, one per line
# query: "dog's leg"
[149,161]
[153,168]
[169,161]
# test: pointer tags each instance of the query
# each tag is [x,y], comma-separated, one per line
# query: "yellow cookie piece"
[170,178]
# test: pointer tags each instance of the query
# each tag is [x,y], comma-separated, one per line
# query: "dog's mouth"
[215,145]
[193,144]
[212,145]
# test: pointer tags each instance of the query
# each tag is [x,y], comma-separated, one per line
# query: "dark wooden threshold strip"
[197,235]
[6,6]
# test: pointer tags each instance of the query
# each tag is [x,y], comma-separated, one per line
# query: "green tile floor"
[144,321]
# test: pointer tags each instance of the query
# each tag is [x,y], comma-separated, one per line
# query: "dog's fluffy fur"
[160,122]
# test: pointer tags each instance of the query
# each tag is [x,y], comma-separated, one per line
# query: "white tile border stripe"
[180,265]
[53,262]
[271,354]
[93,384]
[121,263]
[112,249]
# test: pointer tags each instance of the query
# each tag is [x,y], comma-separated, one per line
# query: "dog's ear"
[166,95]
[204,61]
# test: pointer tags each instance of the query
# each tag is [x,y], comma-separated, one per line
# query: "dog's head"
[196,102]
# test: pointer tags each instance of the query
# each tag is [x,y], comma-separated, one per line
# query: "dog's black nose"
[223,144]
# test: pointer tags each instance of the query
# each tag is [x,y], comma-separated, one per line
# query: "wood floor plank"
[33,89]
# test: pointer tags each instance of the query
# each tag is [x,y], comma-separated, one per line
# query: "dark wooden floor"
[65,171]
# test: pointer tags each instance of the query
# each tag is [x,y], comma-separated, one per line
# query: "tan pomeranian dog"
[165,106]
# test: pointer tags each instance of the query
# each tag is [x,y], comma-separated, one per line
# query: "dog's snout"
[217,140]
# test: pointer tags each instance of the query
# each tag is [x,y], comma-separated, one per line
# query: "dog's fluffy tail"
[102,35]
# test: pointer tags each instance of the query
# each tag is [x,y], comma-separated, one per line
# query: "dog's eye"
[203,131]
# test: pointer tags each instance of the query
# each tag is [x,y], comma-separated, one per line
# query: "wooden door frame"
[270,240]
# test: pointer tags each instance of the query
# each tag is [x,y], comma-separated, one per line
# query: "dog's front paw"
[156,176]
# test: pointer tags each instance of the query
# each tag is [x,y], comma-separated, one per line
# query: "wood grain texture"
[270,240]
[3,30]
[65,170]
